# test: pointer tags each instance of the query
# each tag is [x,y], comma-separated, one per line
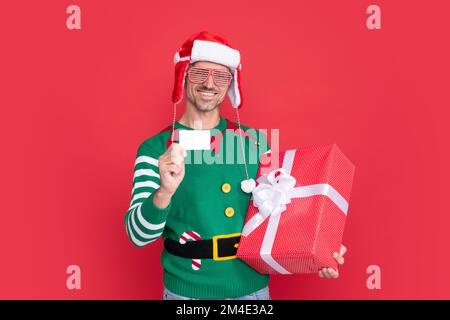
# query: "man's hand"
[330,272]
[171,172]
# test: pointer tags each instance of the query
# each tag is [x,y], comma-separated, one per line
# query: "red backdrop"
[77,103]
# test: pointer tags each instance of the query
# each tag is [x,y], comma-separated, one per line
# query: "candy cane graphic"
[194,236]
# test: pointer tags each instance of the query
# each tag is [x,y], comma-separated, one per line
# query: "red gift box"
[296,217]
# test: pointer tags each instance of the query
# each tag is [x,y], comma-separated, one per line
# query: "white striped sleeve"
[144,222]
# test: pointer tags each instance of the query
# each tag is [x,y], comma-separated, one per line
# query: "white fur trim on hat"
[233,91]
[215,52]
[176,58]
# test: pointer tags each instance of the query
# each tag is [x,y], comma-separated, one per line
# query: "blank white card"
[195,139]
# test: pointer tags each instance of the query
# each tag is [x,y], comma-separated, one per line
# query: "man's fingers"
[176,159]
[343,250]
[177,156]
[328,273]
[333,273]
[338,258]
[180,148]
[171,158]
[173,154]
[177,151]
[325,274]
[174,168]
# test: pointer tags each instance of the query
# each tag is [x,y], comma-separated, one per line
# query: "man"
[199,207]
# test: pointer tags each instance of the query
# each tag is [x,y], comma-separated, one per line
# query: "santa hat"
[206,46]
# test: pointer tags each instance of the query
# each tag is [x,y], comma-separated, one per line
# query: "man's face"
[206,96]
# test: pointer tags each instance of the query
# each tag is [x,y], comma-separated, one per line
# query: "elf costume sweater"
[208,202]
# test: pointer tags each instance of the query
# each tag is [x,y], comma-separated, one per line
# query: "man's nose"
[209,82]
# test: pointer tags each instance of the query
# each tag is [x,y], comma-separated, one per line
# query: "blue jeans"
[262,294]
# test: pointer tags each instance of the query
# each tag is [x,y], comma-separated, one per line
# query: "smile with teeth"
[206,93]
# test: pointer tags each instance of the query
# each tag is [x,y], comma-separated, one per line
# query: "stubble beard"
[201,107]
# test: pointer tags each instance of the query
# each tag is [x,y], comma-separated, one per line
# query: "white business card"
[195,139]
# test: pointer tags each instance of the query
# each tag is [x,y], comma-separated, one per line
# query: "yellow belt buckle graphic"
[216,247]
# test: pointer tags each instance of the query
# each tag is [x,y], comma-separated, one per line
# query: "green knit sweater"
[198,205]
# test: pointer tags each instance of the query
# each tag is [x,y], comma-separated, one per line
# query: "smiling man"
[204,92]
[199,208]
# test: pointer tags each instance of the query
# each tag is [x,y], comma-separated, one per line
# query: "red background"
[77,103]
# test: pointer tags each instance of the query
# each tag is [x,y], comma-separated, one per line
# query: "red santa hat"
[206,46]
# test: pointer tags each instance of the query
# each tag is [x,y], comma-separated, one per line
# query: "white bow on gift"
[270,197]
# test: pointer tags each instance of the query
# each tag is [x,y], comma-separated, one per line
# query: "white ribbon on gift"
[272,195]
